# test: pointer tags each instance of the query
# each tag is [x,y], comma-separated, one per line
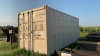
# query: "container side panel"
[62,30]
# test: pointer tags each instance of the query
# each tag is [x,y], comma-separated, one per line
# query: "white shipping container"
[45,29]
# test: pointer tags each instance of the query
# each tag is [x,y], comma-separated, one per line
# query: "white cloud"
[8,21]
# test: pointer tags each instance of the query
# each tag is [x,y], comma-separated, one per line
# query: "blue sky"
[88,11]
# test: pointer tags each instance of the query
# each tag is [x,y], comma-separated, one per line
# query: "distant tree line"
[89,29]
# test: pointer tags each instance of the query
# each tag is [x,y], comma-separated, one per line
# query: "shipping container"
[45,29]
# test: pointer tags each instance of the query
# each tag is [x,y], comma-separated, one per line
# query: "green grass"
[20,52]
[6,46]
[82,36]
[72,46]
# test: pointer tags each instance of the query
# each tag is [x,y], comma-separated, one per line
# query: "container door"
[31,41]
[28,30]
[21,30]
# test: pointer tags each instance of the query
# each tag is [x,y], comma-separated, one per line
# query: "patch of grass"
[14,45]
[5,46]
[12,52]
[8,46]
[37,54]
[73,45]
[82,36]
[21,52]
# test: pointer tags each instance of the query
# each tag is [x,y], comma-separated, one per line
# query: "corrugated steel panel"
[62,29]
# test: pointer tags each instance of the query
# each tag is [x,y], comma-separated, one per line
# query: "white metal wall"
[62,29]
